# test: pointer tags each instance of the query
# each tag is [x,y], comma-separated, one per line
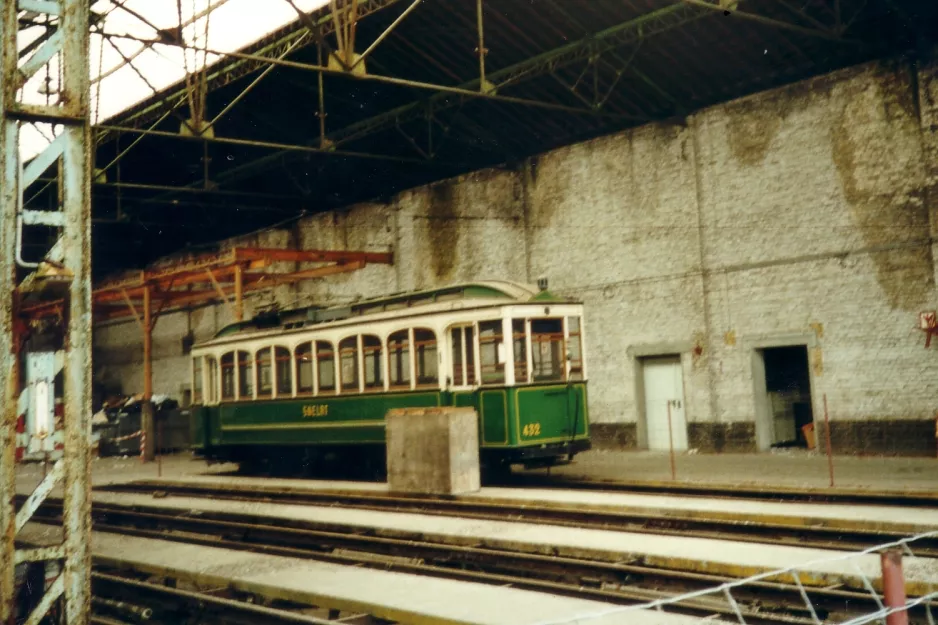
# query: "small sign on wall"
[928,320]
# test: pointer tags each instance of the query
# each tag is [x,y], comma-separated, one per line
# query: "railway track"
[118,599]
[903,499]
[612,582]
[727,528]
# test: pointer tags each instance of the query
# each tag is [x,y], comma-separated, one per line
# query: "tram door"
[462,340]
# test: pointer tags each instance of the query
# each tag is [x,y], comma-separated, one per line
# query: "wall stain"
[872,157]
[751,130]
[443,230]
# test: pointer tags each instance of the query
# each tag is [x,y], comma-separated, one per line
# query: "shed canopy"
[363,98]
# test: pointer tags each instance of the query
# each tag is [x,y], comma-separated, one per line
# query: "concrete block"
[433,450]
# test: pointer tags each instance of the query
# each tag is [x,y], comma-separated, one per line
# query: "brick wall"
[806,212]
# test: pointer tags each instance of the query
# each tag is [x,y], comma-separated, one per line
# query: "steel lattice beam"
[627,33]
[228,70]
[71,149]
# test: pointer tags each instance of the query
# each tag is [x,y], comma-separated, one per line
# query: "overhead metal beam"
[229,69]
[254,143]
[768,21]
[626,33]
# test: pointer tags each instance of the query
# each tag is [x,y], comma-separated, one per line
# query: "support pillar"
[146,414]
[70,156]
[239,293]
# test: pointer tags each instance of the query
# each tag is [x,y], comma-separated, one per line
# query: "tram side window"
[464,363]
[520,349]
[197,380]
[490,337]
[227,376]
[211,392]
[371,351]
[547,349]
[284,369]
[348,363]
[265,384]
[428,371]
[325,358]
[399,359]
[575,348]
[304,368]
[245,378]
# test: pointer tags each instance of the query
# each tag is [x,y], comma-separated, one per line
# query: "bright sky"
[232,24]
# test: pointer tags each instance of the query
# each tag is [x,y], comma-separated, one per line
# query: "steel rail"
[162,597]
[638,520]
[613,582]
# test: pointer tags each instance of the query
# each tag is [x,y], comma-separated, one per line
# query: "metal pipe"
[894,587]
[481,46]
[146,414]
[142,613]
[827,436]
[239,293]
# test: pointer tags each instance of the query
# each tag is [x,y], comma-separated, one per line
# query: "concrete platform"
[797,469]
[398,597]
[728,558]
[891,519]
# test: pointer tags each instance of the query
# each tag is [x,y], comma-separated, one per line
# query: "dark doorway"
[788,386]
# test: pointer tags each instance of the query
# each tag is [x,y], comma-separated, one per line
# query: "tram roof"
[493,291]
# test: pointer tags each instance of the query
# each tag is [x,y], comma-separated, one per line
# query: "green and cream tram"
[302,383]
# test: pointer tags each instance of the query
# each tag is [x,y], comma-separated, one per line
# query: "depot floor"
[789,468]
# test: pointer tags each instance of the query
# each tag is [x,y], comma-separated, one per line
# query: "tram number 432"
[531,429]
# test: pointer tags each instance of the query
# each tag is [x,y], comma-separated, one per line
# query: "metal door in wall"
[664,386]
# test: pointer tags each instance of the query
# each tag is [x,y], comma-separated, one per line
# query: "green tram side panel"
[549,414]
[503,412]
[352,419]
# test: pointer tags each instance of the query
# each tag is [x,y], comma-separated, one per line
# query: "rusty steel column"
[70,156]
[146,415]
[894,586]
[76,239]
[9,166]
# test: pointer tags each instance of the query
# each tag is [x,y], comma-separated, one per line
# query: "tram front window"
[547,349]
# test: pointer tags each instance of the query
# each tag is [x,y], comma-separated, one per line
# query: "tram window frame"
[574,348]
[519,350]
[229,379]
[349,355]
[372,367]
[491,360]
[245,365]
[326,356]
[462,339]
[211,391]
[197,366]
[265,387]
[426,351]
[303,357]
[399,360]
[283,371]
[556,351]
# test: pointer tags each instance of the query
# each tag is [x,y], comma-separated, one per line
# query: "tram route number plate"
[316,410]
[531,429]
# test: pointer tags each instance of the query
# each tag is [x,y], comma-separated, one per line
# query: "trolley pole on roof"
[66,54]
